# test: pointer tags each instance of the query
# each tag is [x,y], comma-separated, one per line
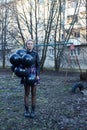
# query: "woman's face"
[30,45]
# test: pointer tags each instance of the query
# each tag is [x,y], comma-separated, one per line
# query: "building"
[76,14]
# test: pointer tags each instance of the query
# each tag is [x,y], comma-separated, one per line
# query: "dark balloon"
[31,79]
[21,52]
[20,72]
[15,59]
[27,60]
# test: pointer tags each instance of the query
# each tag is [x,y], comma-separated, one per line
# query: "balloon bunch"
[21,62]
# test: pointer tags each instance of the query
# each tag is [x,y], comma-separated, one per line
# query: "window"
[78,51]
[72,3]
[83,3]
[51,51]
[83,14]
[41,1]
[77,34]
[75,51]
[70,18]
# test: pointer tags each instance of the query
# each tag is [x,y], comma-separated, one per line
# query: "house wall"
[75,59]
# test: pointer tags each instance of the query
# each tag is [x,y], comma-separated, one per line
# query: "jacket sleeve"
[37,64]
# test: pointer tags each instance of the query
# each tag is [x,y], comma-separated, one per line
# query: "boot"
[32,114]
[26,113]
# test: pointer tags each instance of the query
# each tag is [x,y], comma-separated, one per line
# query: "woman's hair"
[29,40]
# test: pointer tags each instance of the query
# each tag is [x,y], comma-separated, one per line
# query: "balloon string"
[13,75]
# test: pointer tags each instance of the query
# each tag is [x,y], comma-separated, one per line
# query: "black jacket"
[34,54]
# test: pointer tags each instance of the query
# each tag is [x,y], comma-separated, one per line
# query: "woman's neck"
[29,50]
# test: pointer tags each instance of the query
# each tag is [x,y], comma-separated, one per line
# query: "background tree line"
[18,21]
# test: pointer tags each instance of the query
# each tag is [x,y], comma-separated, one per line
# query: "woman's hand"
[37,77]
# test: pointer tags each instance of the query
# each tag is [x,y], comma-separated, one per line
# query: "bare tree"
[4,24]
[48,32]
[59,50]
[27,21]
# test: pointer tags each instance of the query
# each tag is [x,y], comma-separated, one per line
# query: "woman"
[35,68]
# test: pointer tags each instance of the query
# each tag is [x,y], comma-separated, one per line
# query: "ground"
[57,107]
